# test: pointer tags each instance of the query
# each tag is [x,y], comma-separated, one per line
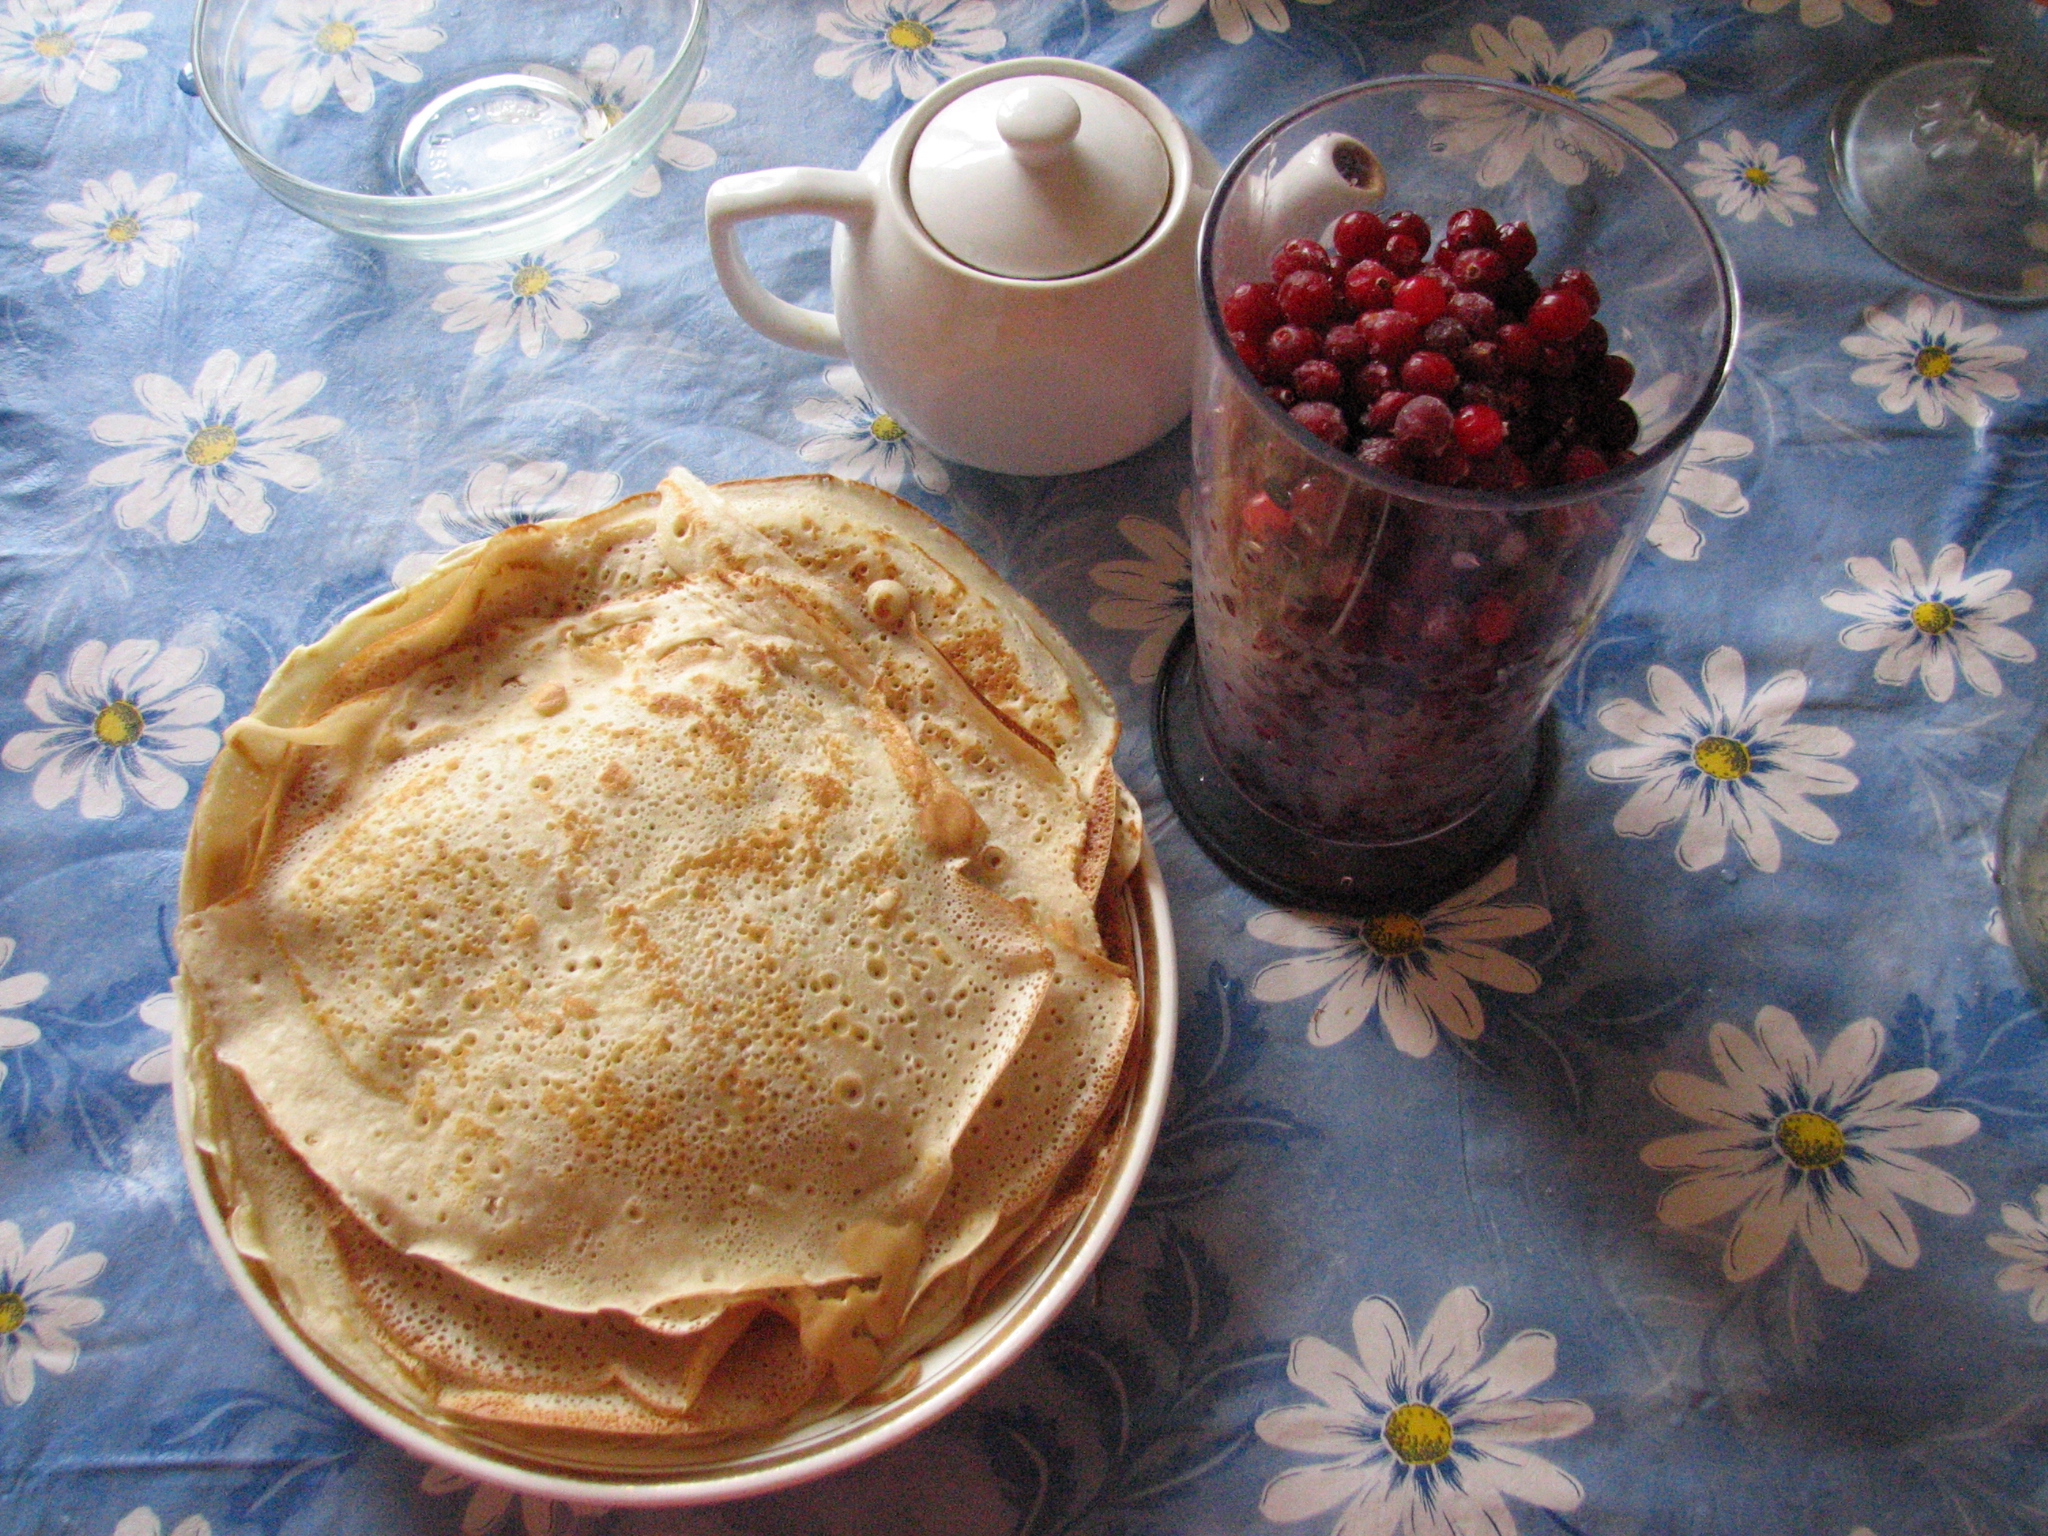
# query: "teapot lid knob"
[1038,120]
[1040,176]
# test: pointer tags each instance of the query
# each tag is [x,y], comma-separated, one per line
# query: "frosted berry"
[1481,269]
[1520,347]
[1476,312]
[1429,373]
[1403,254]
[1481,362]
[1291,346]
[1318,379]
[1253,308]
[1424,423]
[1308,297]
[1345,346]
[1302,256]
[1251,352]
[1360,235]
[1385,453]
[1370,286]
[1391,334]
[1385,409]
[1325,421]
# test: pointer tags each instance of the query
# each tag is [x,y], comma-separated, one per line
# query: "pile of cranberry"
[1458,369]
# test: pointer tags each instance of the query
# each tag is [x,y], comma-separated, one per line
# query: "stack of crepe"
[652,977]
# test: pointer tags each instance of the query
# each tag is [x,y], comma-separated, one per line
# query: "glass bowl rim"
[497,199]
[1446,496]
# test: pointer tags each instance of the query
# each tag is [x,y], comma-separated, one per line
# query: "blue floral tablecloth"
[1689,1173]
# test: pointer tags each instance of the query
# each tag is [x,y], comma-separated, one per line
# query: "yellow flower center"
[1810,1141]
[612,113]
[1720,757]
[1392,935]
[54,45]
[531,280]
[123,229]
[13,1312]
[1933,362]
[887,429]
[1418,1434]
[120,724]
[212,445]
[910,35]
[1932,618]
[1757,176]
[1562,92]
[335,37]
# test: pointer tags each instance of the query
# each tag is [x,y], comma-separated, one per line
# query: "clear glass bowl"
[1374,655]
[2023,863]
[454,130]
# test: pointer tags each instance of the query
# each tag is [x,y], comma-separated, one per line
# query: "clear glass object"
[1356,720]
[1942,163]
[2023,863]
[454,130]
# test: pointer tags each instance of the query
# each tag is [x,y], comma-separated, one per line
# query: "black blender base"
[1291,868]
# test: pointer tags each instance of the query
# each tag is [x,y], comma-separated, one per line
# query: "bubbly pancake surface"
[615,939]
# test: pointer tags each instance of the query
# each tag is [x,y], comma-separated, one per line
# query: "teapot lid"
[1039,176]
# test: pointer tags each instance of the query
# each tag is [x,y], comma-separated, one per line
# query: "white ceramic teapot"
[1014,267]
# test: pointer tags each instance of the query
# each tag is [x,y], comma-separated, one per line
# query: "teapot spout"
[1327,177]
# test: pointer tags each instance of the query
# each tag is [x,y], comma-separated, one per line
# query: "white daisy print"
[861,441]
[533,297]
[500,496]
[490,1506]
[1580,71]
[1728,763]
[1698,484]
[1933,622]
[1802,1143]
[913,45]
[1424,1435]
[15,992]
[1994,924]
[117,723]
[117,229]
[160,1012]
[1152,596]
[1748,180]
[618,82]
[215,447]
[1414,973]
[1825,13]
[55,46]
[38,1314]
[2026,1244]
[311,47]
[144,1522]
[1930,361]
[1233,18]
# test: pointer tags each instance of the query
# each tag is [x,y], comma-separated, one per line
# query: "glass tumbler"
[1356,722]
[453,130]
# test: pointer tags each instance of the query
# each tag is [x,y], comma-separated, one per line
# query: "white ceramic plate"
[950,1371]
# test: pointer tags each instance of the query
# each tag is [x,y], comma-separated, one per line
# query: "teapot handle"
[847,196]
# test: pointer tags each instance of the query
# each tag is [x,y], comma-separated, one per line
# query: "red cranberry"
[1470,227]
[1360,235]
[1480,431]
[1251,352]
[1505,471]
[1520,347]
[1391,334]
[1616,426]
[1308,298]
[1422,297]
[1573,280]
[1386,408]
[1476,312]
[1448,337]
[1482,270]
[1493,619]
[1345,346]
[1517,293]
[1370,382]
[1291,346]
[1429,373]
[1253,308]
[1281,396]
[1424,423]
[1264,518]
[1318,379]
[1326,422]
[1517,242]
[1617,374]
[1591,343]
[1403,254]
[1385,453]
[1481,361]
[1555,362]
[1558,314]
[1450,467]
[1370,286]
[1302,256]
[1582,463]
[1410,226]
